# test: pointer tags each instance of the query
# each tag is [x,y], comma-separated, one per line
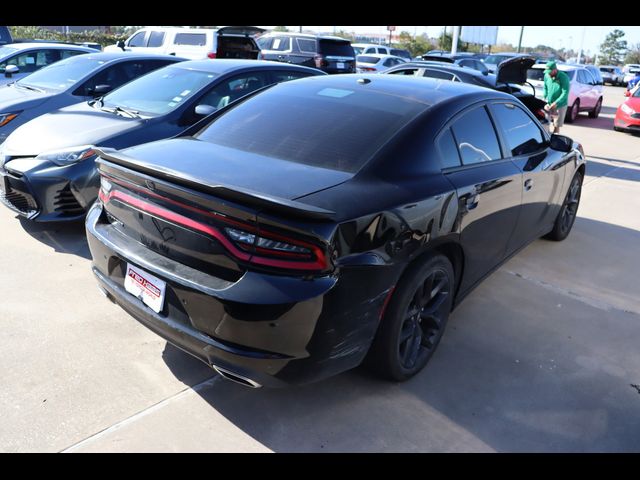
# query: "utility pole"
[454,42]
[584,29]
[300,29]
[520,41]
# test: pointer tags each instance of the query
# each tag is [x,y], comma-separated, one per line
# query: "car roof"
[28,45]
[454,67]
[222,66]
[307,35]
[111,56]
[424,90]
[378,55]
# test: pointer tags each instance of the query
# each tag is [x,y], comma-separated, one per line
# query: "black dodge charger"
[326,222]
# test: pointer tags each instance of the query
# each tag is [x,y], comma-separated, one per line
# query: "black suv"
[329,54]
[5,36]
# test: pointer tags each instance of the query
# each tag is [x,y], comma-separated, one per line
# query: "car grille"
[65,202]
[635,115]
[21,202]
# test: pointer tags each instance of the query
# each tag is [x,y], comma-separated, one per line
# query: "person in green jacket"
[556,94]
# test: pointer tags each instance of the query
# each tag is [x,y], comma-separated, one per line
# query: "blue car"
[70,81]
[47,166]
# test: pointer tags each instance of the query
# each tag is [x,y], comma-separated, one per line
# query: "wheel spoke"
[434,306]
[413,346]
[407,331]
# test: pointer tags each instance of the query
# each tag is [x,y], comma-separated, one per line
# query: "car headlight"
[627,109]
[7,117]
[69,155]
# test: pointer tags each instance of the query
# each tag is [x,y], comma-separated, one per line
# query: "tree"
[346,35]
[418,45]
[281,29]
[633,55]
[613,48]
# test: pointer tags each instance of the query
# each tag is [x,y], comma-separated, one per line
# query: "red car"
[628,114]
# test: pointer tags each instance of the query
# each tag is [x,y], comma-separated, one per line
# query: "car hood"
[212,165]
[514,70]
[78,124]
[13,98]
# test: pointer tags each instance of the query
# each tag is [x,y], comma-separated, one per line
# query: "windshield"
[495,59]
[160,91]
[63,74]
[335,48]
[358,50]
[303,122]
[535,74]
[6,51]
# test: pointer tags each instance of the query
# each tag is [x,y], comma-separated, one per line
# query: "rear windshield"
[304,122]
[335,48]
[63,74]
[495,59]
[367,59]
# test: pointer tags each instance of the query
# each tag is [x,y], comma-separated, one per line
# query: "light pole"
[520,40]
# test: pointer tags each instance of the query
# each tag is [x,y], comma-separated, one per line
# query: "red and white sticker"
[146,287]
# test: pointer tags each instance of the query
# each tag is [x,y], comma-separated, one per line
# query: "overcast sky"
[557,37]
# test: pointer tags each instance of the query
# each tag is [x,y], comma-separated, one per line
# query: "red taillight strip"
[249,228]
[386,301]
[209,230]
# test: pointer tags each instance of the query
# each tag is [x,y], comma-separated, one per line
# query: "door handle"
[472,201]
[528,184]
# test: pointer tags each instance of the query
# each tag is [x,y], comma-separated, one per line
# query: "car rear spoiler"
[238,194]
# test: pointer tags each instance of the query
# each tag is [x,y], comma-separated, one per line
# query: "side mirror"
[99,90]
[10,70]
[627,93]
[560,143]
[120,44]
[204,110]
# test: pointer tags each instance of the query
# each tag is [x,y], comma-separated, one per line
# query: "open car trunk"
[238,42]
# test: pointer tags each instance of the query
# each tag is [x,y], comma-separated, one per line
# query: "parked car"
[369,48]
[628,113]
[48,164]
[329,54]
[611,74]
[17,60]
[402,194]
[492,61]
[376,62]
[629,71]
[5,36]
[194,43]
[72,80]
[510,78]
[595,73]
[585,94]
[398,52]
[462,59]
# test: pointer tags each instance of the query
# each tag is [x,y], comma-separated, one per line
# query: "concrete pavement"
[541,357]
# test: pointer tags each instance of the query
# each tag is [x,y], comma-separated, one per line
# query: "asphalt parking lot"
[542,357]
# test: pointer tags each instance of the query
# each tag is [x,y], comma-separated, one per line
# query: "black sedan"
[510,75]
[327,220]
[47,165]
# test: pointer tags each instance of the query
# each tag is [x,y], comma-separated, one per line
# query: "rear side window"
[305,122]
[264,42]
[438,74]
[405,71]
[281,44]
[476,138]
[449,156]
[69,53]
[196,39]
[335,48]
[156,39]
[306,45]
[286,76]
[520,132]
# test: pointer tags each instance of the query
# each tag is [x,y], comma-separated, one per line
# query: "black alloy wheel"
[415,320]
[572,112]
[596,110]
[569,210]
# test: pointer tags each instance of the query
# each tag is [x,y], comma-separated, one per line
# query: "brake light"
[245,243]
[319,59]
[367,69]
[211,55]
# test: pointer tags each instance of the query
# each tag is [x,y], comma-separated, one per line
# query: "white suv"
[585,93]
[193,43]
[369,48]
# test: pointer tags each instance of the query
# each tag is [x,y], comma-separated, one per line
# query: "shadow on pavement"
[606,170]
[521,368]
[62,237]
[604,123]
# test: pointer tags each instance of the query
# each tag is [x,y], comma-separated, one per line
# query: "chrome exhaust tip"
[234,377]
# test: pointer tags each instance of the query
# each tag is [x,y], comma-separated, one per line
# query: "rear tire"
[414,321]
[596,110]
[568,211]
[572,112]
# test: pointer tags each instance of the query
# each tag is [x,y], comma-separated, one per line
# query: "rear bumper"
[274,330]
[44,192]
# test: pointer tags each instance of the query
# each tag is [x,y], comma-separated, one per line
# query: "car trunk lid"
[514,70]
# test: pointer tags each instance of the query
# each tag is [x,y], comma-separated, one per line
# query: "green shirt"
[557,89]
